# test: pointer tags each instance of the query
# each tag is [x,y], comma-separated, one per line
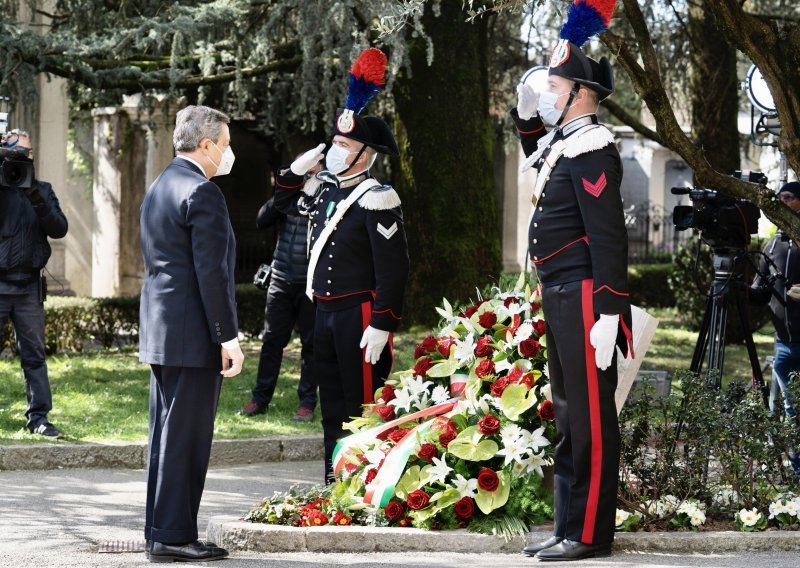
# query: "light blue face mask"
[336,159]
[547,107]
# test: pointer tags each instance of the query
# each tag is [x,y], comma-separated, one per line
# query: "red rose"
[445,344]
[464,508]
[397,435]
[535,307]
[529,348]
[499,386]
[539,328]
[385,435]
[488,425]
[428,452]
[422,367]
[468,312]
[514,374]
[488,480]
[418,499]
[370,476]
[485,368]
[547,410]
[387,393]
[394,510]
[487,319]
[315,518]
[428,345]
[341,519]
[350,467]
[527,380]
[406,522]
[385,411]
[484,347]
[447,429]
[510,300]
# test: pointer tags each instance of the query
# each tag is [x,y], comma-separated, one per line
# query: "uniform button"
[541,209]
[330,268]
[327,293]
[535,241]
[329,281]
[535,258]
[333,244]
[536,225]
[543,196]
[330,256]
[315,224]
[219,334]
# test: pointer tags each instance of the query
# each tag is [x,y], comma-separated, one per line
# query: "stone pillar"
[120,150]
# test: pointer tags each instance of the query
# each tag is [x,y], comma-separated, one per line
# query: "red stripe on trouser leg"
[594,415]
[366,368]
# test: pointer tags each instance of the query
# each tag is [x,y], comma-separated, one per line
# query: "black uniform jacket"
[785,254]
[365,257]
[578,229]
[188,304]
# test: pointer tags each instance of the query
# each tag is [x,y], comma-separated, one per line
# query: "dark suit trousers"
[345,381]
[183,405]
[286,304]
[587,451]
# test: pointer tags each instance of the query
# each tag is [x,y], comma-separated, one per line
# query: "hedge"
[649,285]
[75,324]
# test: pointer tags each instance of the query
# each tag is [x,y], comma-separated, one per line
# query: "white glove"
[603,338]
[527,102]
[794,292]
[374,340]
[307,160]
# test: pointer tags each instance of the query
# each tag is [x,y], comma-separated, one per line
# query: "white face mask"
[225,163]
[336,159]
[547,107]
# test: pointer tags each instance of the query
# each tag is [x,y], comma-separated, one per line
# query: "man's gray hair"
[194,123]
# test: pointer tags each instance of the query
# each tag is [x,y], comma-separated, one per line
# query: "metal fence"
[651,233]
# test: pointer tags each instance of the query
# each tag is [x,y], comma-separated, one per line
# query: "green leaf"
[488,501]
[443,368]
[408,483]
[520,282]
[447,498]
[516,400]
[469,446]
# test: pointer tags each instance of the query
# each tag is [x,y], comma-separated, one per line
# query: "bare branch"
[628,119]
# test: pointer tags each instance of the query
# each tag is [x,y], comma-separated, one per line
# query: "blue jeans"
[787,361]
[27,317]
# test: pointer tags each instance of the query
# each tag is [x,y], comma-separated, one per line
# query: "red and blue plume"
[586,19]
[367,77]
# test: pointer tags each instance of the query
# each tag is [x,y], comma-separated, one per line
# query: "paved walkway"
[58,519]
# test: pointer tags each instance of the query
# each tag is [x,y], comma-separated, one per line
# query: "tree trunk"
[445,168]
[714,91]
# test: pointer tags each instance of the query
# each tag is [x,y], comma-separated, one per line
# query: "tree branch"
[628,119]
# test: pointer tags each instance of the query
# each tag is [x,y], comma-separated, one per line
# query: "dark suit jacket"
[188,302]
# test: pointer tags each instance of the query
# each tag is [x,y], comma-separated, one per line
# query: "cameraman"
[781,260]
[28,216]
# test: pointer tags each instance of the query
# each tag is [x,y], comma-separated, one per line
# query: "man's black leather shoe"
[574,550]
[532,549]
[192,552]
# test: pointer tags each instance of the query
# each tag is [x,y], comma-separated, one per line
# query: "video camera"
[16,169]
[723,222]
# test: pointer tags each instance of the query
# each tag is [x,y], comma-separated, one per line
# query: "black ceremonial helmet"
[570,62]
[369,130]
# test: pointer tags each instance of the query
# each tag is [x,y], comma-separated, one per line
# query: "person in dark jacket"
[781,260]
[188,330]
[27,218]
[287,305]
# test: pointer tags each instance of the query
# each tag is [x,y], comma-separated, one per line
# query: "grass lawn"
[103,397]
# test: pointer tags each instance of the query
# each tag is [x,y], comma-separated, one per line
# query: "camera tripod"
[727,287]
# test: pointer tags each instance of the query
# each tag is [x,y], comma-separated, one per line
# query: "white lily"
[512,452]
[417,385]
[439,470]
[465,350]
[509,434]
[375,455]
[466,487]
[403,399]
[538,440]
[534,463]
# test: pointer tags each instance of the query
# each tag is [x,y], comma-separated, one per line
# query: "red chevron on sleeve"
[596,188]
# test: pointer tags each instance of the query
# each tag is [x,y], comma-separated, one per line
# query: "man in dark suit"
[188,329]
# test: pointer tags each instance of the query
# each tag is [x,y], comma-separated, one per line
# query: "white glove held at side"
[794,292]
[307,160]
[527,102]
[374,340]
[603,338]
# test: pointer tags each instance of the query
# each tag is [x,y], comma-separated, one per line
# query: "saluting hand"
[374,340]
[527,102]
[307,160]
[232,361]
